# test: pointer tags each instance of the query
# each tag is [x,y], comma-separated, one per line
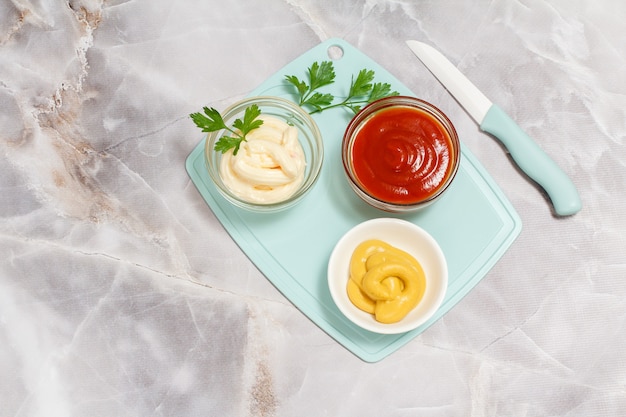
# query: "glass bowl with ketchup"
[400,154]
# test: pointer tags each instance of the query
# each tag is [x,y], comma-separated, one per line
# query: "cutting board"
[474,223]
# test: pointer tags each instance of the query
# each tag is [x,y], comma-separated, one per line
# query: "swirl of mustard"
[360,299]
[358,269]
[360,255]
[385,281]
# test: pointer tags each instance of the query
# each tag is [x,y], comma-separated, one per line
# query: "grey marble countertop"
[121,294]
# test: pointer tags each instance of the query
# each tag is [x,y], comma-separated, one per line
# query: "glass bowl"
[400,154]
[308,135]
[403,235]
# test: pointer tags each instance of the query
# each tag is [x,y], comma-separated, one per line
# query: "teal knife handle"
[533,161]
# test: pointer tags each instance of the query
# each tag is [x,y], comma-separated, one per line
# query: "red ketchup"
[403,155]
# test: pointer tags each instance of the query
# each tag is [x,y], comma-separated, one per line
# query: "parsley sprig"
[363,90]
[212,121]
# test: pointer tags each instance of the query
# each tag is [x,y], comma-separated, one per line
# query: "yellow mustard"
[385,281]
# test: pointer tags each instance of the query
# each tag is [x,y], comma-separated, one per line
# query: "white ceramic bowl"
[403,235]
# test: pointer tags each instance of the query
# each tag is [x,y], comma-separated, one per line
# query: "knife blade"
[528,156]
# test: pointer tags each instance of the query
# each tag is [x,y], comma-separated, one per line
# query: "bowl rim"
[363,115]
[314,165]
[414,240]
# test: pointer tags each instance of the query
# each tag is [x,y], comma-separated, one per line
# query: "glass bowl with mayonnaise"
[277,164]
[400,154]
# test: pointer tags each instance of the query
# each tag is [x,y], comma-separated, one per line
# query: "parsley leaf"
[212,121]
[227,142]
[363,83]
[318,100]
[319,75]
[381,90]
[362,89]
[250,120]
[301,86]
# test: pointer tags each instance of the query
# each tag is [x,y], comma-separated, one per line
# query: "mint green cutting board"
[474,223]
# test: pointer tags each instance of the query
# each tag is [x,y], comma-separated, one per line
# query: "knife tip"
[416,45]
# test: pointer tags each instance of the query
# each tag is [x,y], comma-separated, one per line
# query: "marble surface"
[122,295]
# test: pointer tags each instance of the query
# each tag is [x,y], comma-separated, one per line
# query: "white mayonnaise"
[269,166]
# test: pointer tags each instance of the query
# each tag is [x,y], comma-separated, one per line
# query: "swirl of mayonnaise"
[269,166]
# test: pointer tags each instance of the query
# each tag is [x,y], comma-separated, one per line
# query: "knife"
[492,119]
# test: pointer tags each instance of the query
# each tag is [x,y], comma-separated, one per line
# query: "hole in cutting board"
[335,52]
